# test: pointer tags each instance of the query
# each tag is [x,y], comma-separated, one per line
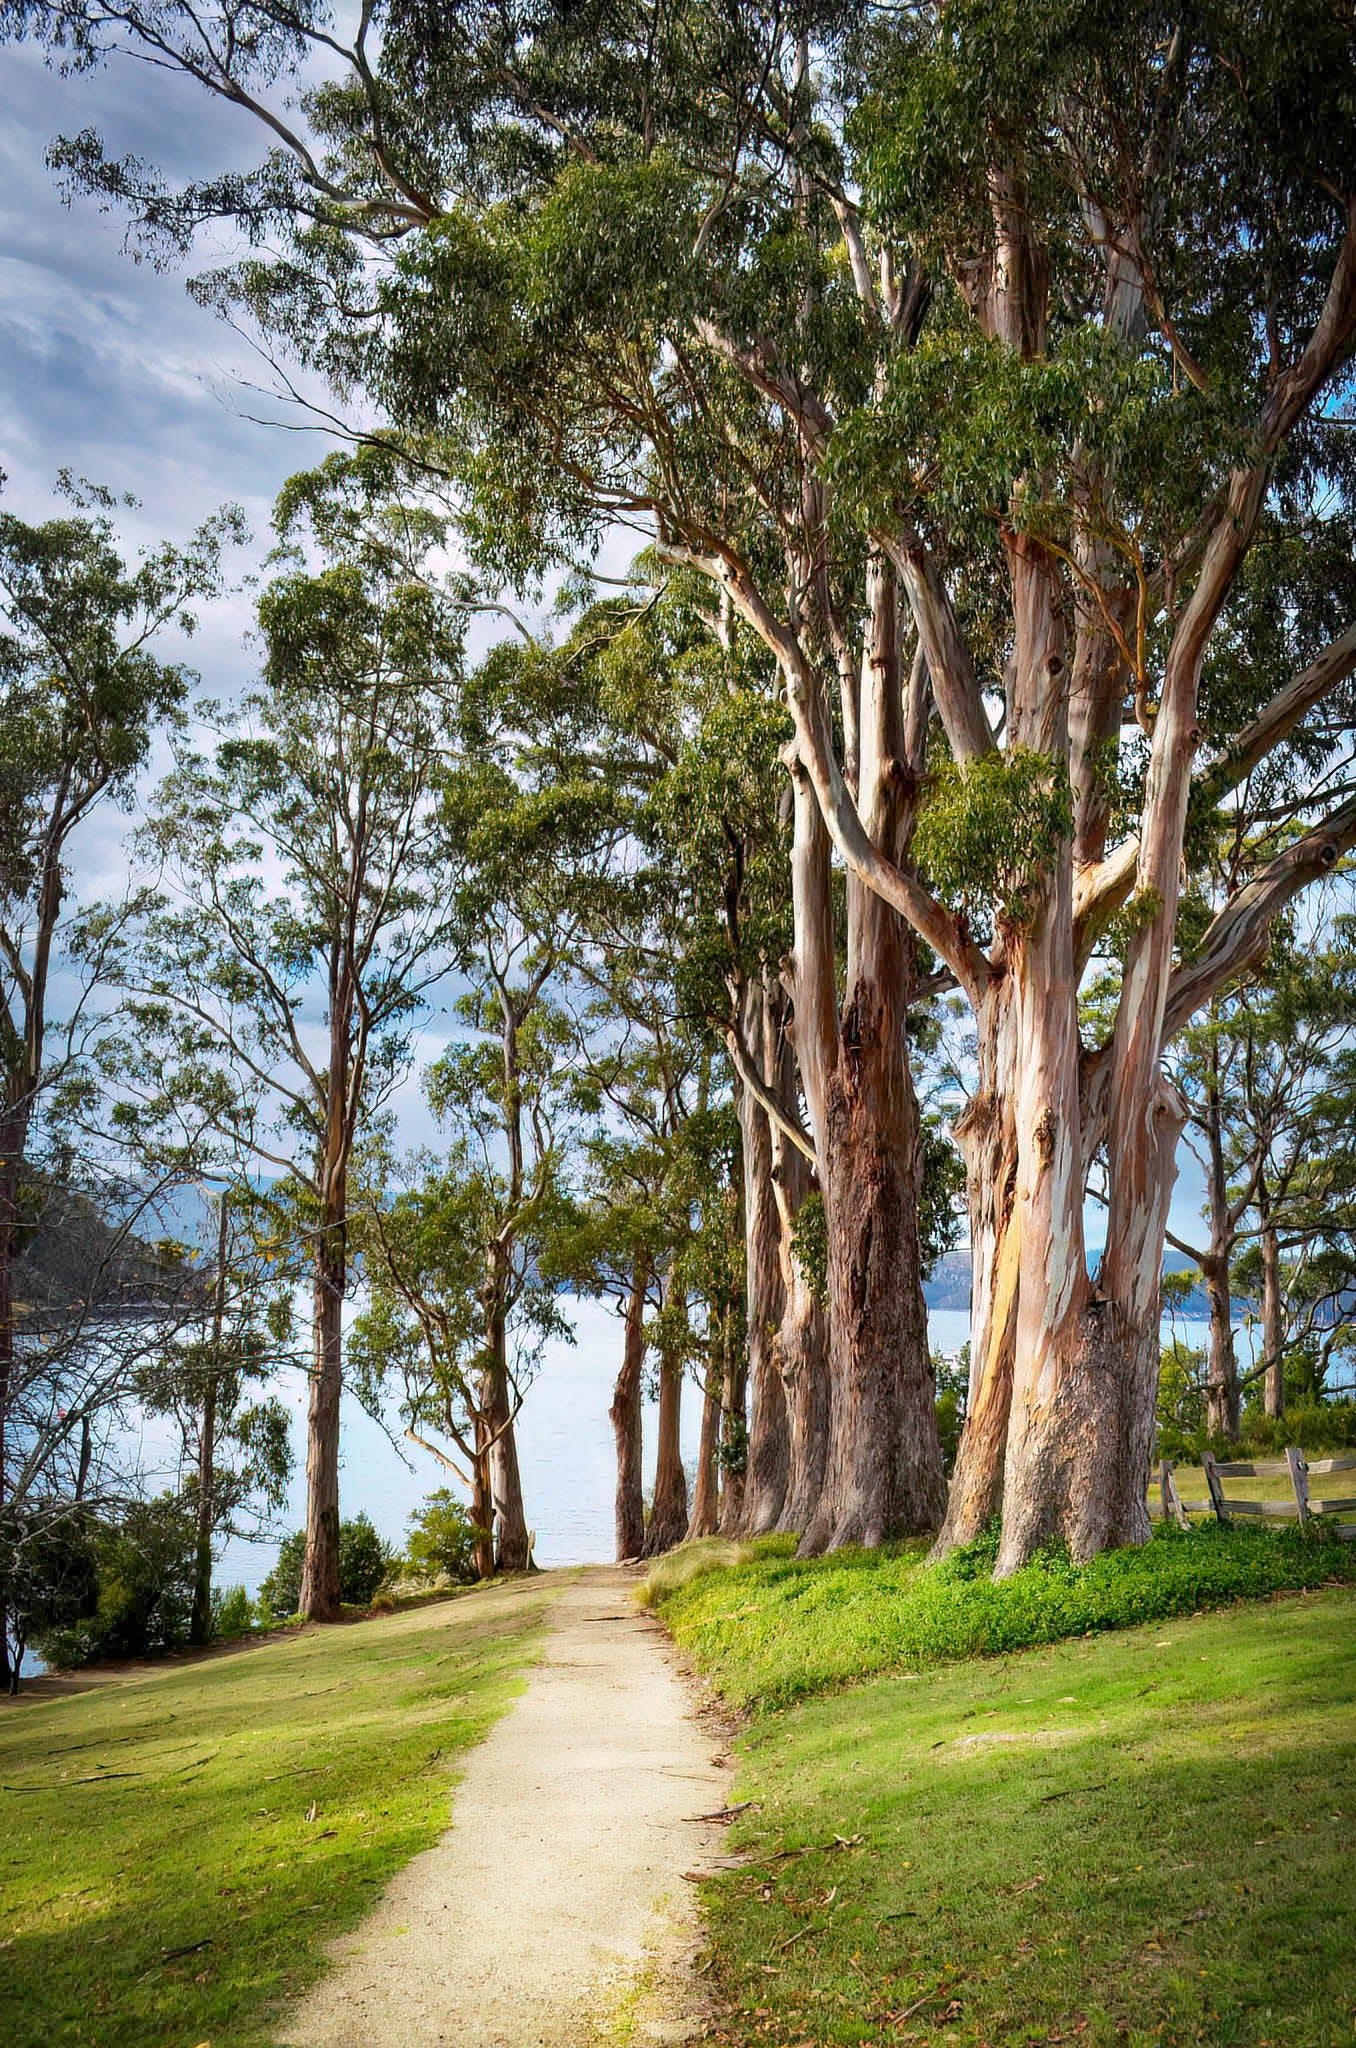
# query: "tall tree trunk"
[200,1621]
[986,1133]
[510,1519]
[769,1449]
[734,1428]
[1273,1309]
[9,1231]
[668,1515]
[883,1475]
[482,1500]
[320,1569]
[626,1421]
[704,1516]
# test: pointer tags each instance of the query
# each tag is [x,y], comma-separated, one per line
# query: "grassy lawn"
[1142,1838]
[175,1850]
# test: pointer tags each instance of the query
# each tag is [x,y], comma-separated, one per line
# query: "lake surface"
[565,1449]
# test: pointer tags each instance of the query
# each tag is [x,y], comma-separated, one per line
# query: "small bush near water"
[366,1561]
[776,1628]
[442,1540]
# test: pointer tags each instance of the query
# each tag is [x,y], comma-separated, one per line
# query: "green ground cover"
[1132,1837]
[1141,1838]
[177,1848]
[776,1628]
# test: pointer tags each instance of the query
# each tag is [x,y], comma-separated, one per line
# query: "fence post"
[1213,1481]
[1172,1500]
[1299,1479]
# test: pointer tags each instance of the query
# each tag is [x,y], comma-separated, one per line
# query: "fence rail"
[1294,1466]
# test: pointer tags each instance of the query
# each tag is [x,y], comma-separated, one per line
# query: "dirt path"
[554,1913]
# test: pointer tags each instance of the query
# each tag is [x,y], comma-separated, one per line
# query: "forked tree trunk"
[510,1520]
[768,1448]
[320,1569]
[625,1413]
[1273,1310]
[668,1515]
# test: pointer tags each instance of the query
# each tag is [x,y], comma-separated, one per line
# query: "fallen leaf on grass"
[1029,1884]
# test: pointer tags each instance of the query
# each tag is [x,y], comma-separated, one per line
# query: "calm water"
[565,1448]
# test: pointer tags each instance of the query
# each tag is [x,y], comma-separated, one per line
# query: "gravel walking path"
[555,1912]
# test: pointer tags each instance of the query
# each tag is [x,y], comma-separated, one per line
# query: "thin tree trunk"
[668,1515]
[769,1448]
[9,1219]
[734,1427]
[626,1421]
[1273,1316]
[704,1517]
[320,1569]
[200,1621]
[1222,1393]
[510,1519]
[986,1134]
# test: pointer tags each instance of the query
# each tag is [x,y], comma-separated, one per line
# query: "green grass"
[1145,1838]
[778,1628]
[241,1812]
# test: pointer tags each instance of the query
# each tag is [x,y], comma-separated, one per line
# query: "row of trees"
[976,379]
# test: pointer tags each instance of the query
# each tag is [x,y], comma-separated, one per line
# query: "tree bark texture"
[768,1448]
[513,1547]
[704,1517]
[320,1569]
[883,1471]
[625,1413]
[668,1514]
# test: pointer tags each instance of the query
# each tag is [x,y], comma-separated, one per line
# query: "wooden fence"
[1300,1508]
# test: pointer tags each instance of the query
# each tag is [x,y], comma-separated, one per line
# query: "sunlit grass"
[178,1848]
[1144,1838]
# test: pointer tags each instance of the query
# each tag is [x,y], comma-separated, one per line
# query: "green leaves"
[989,832]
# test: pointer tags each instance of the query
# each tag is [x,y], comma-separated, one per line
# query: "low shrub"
[144,1564]
[776,1628]
[366,1561]
[1314,1426]
[441,1543]
[232,1614]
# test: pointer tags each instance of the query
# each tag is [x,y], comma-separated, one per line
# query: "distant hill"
[949,1286]
[77,1256]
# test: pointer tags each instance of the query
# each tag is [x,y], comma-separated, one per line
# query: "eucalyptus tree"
[83,695]
[969,353]
[462,1246]
[283,966]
